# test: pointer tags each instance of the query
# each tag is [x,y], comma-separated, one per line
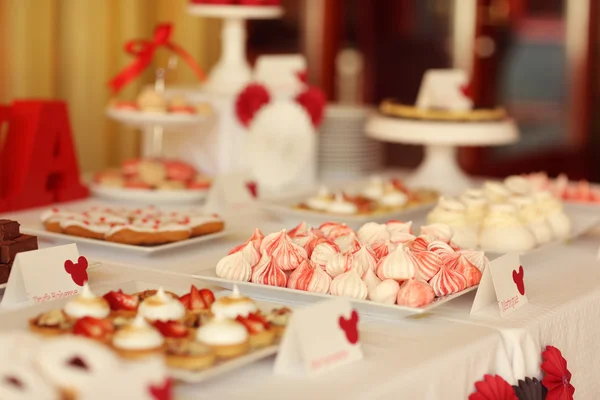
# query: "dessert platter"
[581,192]
[198,335]
[377,200]
[143,230]
[383,269]
[152,181]
[514,215]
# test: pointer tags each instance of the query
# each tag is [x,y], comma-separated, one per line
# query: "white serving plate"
[302,298]
[283,208]
[18,320]
[61,238]
[166,120]
[146,196]
[235,11]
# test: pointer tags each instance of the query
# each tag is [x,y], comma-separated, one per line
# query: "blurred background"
[538,58]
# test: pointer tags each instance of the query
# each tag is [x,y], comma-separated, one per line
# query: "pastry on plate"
[52,323]
[226,337]
[189,355]
[138,340]
[233,305]
[259,328]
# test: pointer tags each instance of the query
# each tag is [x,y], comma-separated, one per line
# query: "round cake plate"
[440,169]
[145,196]
[146,119]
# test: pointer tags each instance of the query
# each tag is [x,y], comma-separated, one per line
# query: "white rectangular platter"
[18,320]
[60,238]
[302,298]
[284,208]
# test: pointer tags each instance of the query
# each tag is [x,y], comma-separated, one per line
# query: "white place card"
[228,192]
[44,275]
[446,89]
[320,338]
[503,282]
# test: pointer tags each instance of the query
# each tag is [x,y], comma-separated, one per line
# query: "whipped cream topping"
[321,201]
[342,206]
[385,292]
[138,335]
[161,307]
[397,265]
[349,284]
[87,304]
[234,305]
[222,331]
[235,267]
[374,189]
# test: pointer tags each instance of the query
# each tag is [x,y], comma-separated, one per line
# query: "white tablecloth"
[431,357]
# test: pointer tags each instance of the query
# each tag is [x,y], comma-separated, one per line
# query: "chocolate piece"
[10,248]
[4,272]
[9,230]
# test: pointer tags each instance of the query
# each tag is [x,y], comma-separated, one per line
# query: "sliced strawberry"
[208,296]
[121,301]
[179,171]
[260,319]
[171,329]
[93,327]
[194,300]
[252,326]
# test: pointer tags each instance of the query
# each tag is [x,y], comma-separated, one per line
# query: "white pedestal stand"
[232,72]
[440,169]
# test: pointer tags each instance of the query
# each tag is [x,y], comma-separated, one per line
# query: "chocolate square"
[9,230]
[5,272]
[8,249]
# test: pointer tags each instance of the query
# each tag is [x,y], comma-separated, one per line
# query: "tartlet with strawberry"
[122,305]
[51,323]
[260,330]
[101,330]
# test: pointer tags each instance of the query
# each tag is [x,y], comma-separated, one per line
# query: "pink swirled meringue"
[414,293]
[364,259]
[370,279]
[440,248]
[372,232]
[439,231]
[447,281]
[402,237]
[323,253]
[311,279]
[285,254]
[477,258]
[303,229]
[248,251]
[332,230]
[255,239]
[303,240]
[266,272]
[397,265]
[385,292]
[383,248]
[421,243]
[313,242]
[428,263]
[348,243]
[462,265]
[350,285]
[339,263]
[235,267]
[293,277]
[395,226]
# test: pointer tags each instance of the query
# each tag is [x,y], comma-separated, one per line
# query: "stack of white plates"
[344,150]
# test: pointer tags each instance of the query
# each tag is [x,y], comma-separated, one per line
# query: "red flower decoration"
[493,388]
[557,378]
[249,101]
[313,101]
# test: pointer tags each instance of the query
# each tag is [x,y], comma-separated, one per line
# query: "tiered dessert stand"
[440,169]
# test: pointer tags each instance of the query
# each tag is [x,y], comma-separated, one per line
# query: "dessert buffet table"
[432,356]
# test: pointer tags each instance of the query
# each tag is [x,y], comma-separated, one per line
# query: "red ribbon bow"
[144,51]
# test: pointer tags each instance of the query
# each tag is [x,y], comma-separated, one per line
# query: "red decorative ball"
[313,101]
[249,101]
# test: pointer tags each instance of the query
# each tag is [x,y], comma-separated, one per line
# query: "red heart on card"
[466,90]
[162,392]
[350,327]
[518,279]
[78,270]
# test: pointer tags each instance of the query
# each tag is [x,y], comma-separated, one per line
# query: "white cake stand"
[232,72]
[440,169]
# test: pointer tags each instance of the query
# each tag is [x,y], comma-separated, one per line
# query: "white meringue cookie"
[349,284]
[339,263]
[438,231]
[364,259]
[397,265]
[495,192]
[370,279]
[518,184]
[385,293]
[235,267]
[322,253]
[532,218]
[502,231]
[372,232]
[554,213]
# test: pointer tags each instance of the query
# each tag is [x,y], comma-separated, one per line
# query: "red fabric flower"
[493,388]
[313,101]
[249,101]
[557,378]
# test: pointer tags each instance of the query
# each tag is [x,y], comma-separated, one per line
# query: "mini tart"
[279,318]
[393,109]
[138,340]
[51,323]
[225,336]
[87,304]
[234,305]
[189,355]
[122,305]
[151,292]
[195,320]
[261,333]
[162,307]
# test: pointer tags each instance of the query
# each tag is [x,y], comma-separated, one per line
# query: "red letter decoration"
[38,165]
